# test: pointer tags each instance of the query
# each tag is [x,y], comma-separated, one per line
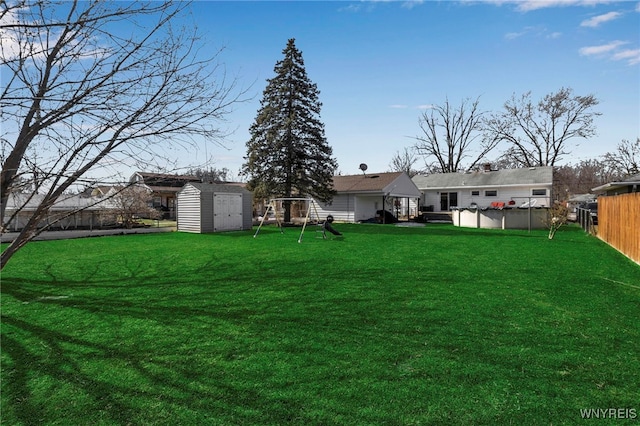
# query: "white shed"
[209,207]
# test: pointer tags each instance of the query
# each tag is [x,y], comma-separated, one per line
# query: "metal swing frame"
[272,207]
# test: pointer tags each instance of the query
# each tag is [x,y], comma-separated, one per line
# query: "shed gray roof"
[218,187]
[495,178]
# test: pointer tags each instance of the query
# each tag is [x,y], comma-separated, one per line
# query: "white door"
[227,212]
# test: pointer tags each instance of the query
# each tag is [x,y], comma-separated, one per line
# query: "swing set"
[273,208]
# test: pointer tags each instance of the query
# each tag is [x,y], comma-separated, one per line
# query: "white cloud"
[632,56]
[536,31]
[612,52]
[529,5]
[426,106]
[601,49]
[410,4]
[600,19]
[398,106]
[515,35]
[9,39]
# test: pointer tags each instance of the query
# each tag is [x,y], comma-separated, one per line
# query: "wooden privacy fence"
[619,223]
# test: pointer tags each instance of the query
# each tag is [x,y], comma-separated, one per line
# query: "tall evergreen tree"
[288,154]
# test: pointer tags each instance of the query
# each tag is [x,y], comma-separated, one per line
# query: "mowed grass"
[390,325]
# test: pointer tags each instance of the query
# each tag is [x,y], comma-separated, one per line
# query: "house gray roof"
[30,202]
[581,198]
[633,180]
[364,183]
[495,178]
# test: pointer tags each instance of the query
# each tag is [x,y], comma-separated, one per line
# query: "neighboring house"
[360,197]
[103,191]
[209,207]
[68,212]
[576,201]
[631,184]
[486,188]
[164,188]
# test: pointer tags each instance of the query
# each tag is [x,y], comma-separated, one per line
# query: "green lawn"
[389,325]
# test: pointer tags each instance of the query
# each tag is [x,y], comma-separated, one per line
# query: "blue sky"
[379,65]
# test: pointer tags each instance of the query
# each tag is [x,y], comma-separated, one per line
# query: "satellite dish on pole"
[363,167]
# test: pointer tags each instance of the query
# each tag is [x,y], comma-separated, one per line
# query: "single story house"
[485,189]
[576,201]
[164,188]
[360,197]
[210,207]
[68,212]
[631,184]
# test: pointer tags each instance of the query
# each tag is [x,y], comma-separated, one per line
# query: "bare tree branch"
[626,160]
[539,134]
[404,162]
[81,91]
[453,135]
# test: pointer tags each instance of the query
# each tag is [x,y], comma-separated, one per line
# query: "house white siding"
[366,207]
[68,212]
[444,191]
[483,196]
[350,207]
[359,197]
[341,208]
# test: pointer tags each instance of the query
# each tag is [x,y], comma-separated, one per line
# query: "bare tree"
[210,175]
[580,178]
[626,160]
[539,134]
[91,83]
[404,162]
[557,216]
[131,203]
[452,135]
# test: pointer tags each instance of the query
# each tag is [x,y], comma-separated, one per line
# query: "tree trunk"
[287,211]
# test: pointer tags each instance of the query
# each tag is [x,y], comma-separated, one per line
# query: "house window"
[491,193]
[448,200]
[475,193]
[542,192]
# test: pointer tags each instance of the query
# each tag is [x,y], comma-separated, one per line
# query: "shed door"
[227,212]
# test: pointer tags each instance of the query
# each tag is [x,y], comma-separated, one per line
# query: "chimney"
[487,167]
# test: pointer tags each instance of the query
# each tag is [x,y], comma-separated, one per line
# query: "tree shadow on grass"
[183,335]
[176,370]
[447,230]
[72,362]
